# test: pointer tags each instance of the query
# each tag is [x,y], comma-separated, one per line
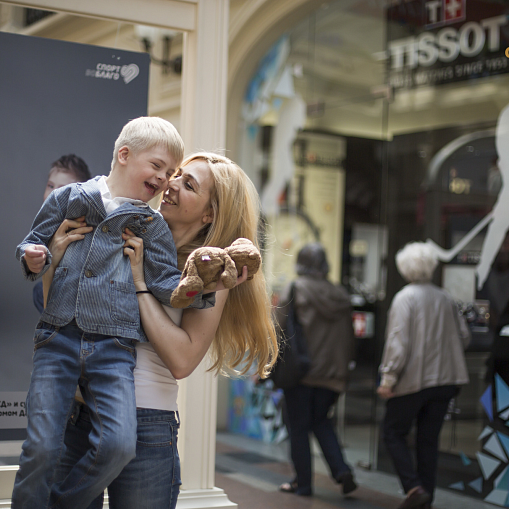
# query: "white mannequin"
[500,213]
[498,217]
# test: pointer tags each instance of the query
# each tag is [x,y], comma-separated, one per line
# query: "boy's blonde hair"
[246,333]
[146,132]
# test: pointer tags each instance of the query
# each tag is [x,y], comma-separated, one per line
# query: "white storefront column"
[204,78]
[203,117]
[203,120]
[197,442]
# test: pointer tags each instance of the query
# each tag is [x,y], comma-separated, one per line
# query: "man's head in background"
[66,170]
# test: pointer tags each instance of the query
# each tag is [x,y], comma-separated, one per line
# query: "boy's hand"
[35,257]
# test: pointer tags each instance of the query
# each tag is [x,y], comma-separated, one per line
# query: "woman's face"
[187,200]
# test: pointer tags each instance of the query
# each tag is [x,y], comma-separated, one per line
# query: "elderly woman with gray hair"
[323,309]
[422,366]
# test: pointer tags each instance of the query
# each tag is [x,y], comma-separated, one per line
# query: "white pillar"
[204,78]
[203,114]
[203,120]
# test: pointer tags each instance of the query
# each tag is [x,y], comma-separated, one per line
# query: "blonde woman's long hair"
[246,333]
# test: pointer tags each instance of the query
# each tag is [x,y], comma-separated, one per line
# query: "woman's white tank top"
[154,384]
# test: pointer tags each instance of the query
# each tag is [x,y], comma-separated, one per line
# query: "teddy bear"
[206,265]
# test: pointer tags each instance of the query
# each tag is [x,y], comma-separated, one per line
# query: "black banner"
[56,98]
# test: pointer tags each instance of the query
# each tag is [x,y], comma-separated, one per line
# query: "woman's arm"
[180,348]
[397,345]
[69,231]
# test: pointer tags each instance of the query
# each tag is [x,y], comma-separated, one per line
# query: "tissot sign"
[431,42]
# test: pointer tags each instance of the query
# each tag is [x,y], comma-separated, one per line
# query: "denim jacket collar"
[92,193]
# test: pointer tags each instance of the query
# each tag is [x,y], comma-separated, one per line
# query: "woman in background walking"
[422,366]
[324,311]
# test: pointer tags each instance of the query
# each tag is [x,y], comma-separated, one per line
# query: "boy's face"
[58,178]
[144,175]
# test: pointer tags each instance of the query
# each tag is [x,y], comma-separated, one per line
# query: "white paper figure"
[292,118]
[500,213]
[498,218]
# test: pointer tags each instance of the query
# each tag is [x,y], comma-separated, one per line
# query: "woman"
[422,366]
[324,312]
[210,201]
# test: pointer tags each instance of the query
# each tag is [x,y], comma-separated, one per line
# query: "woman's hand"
[133,248]
[69,231]
[240,280]
[385,392]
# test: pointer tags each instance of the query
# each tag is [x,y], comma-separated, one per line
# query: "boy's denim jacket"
[93,282]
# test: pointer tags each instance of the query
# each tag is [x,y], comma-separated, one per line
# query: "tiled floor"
[250,472]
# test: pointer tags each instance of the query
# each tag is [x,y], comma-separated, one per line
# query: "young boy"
[65,170]
[88,329]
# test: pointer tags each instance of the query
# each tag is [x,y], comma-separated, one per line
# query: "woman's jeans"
[427,408]
[104,367]
[308,411]
[152,479]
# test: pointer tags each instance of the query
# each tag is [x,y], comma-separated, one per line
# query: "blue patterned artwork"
[487,402]
[458,486]
[465,459]
[502,393]
[487,463]
[255,410]
[504,439]
[485,432]
[266,73]
[493,461]
[493,446]
[502,481]
[498,497]
[476,484]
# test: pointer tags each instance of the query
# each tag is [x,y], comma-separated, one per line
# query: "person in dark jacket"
[324,311]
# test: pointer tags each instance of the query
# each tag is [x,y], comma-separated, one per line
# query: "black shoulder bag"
[293,362]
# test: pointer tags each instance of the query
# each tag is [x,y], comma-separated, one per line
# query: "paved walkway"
[250,472]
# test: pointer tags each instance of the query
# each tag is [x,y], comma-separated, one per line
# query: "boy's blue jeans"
[104,367]
[149,481]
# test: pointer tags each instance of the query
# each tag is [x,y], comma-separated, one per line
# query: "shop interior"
[375,167]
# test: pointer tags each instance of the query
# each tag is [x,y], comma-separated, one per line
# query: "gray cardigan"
[425,341]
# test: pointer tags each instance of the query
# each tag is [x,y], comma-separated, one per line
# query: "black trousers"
[308,411]
[427,408]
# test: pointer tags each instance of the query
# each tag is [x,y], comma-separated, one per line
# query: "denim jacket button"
[88,273]
[105,228]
